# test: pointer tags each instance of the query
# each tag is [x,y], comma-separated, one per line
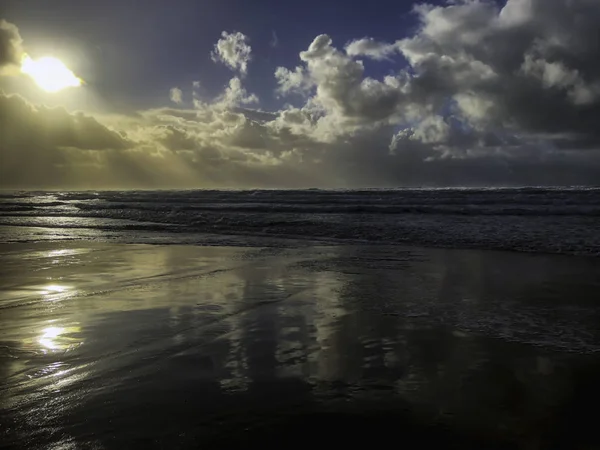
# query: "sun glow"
[50,73]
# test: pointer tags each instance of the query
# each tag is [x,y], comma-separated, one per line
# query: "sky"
[271,94]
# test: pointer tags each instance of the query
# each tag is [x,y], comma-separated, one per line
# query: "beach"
[300,225]
[106,345]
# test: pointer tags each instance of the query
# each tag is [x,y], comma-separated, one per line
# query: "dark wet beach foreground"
[133,346]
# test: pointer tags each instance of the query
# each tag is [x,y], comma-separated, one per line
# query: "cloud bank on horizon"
[488,94]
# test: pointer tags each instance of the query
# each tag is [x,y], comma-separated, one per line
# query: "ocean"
[539,220]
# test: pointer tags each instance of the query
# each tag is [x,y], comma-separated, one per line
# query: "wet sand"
[138,346]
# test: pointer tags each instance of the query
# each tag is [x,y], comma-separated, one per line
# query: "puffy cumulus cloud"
[371,48]
[529,66]
[433,129]
[176,95]
[11,50]
[291,81]
[233,51]
[557,75]
[499,84]
[235,94]
[296,121]
[341,101]
[346,97]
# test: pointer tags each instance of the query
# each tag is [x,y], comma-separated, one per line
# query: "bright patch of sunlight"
[49,73]
[59,338]
[49,335]
[54,289]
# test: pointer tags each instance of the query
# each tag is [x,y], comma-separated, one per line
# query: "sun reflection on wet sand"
[63,252]
[53,289]
[48,337]
[59,338]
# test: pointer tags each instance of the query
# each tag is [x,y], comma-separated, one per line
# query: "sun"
[50,73]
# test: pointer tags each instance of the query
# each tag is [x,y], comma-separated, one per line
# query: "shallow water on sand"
[105,346]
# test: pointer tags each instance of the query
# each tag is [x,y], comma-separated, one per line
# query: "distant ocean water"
[549,220]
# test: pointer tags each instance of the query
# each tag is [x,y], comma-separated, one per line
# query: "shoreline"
[254,241]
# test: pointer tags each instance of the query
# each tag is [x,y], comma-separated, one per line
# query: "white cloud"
[557,75]
[235,95]
[292,81]
[496,74]
[233,51]
[176,95]
[526,68]
[344,99]
[432,130]
[371,48]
